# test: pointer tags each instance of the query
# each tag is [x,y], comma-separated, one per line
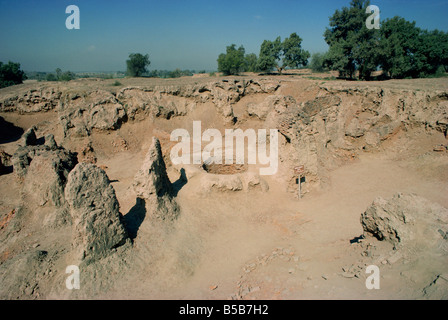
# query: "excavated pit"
[224,169]
[230,226]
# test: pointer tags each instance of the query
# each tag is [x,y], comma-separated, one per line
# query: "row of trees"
[137,66]
[399,48]
[273,54]
[60,76]
[177,73]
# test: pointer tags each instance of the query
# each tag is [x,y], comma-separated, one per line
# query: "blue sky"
[188,34]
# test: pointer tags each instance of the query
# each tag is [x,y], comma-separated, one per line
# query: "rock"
[372,140]
[50,142]
[94,208]
[253,181]
[163,102]
[87,154]
[47,175]
[5,160]
[387,130]
[355,129]
[98,110]
[313,107]
[29,138]
[404,218]
[152,178]
[30,147]
[221,183]
[440,148]
[43,168]
[259,110]
[152,183]
[30,101]
[21,160]
[119,144]
[22,274]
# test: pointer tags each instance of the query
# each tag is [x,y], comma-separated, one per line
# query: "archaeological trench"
[86,179]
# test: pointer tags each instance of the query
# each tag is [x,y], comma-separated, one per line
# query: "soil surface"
[227,244]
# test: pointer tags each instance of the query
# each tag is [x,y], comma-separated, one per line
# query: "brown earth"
[357,140]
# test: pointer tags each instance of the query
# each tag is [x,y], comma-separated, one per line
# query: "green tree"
[432,51]
[232,62]
[293,54]
[409,52]
[58,73]
[10,74]
[51,77]
[137,64]
[251,62]
[67,76]
[353,47]
[289,52]
[318,62]
[399,43]
[269,55]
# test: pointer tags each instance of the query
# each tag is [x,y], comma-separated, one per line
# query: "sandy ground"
[275,246]
[268,245]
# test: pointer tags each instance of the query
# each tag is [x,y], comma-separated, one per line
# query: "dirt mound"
[97,222]
[43,167]
[96,110]
[152,184]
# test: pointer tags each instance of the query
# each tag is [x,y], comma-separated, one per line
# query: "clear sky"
[187,34]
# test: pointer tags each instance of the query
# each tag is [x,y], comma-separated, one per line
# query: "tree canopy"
[318,62]
[10,74]
[399,48]
[269,54]
[251,62]
[233,61]
[293,54]
[289,52]
[137,64]
[353,47]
